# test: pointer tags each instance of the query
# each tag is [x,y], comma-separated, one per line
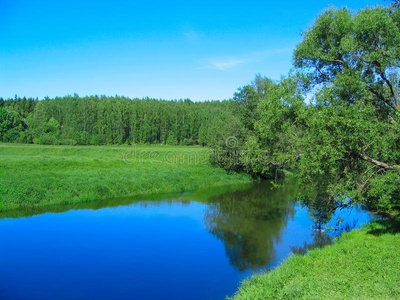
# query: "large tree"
[352,146]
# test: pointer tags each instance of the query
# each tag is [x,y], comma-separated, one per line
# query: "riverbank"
[37,176]
[362,264]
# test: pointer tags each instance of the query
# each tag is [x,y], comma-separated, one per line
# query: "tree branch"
[362,185]
[380,96]
[390,86]
[383,76]
[379,163]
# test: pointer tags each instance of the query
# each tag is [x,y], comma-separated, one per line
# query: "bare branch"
[379,163]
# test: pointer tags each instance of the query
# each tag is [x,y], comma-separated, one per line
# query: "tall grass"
[34,176]
[362,264]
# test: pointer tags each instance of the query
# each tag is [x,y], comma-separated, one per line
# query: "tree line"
[335,119]
[101,120]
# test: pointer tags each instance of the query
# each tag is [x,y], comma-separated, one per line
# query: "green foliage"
[272,114]
[172,140]
[11,126]
[352,147]
[362,264]
[1,190]
[347,150]
[361,47]
[116,120]
[345,144]
[384,194]
[281,124]
[36,176]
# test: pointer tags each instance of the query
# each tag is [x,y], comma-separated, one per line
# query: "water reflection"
[123,248]
[147,200]
[320,240]
[322,206]
[251,222]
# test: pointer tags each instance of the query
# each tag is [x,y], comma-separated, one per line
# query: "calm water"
[192,246]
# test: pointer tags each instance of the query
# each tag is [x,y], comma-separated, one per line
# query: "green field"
[36,176]
[362,264]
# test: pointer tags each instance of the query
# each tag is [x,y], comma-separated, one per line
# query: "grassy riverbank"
[36,176]
[362,264]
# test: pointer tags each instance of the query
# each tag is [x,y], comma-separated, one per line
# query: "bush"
[68,142]
[47,139]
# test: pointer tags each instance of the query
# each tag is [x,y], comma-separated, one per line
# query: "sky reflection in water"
[193,246]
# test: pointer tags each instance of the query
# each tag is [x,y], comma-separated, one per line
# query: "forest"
[101,120]
[125,195]
[334,120]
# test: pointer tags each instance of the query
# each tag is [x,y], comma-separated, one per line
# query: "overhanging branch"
[379,163]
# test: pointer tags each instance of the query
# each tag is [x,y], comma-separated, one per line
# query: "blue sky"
[201,50]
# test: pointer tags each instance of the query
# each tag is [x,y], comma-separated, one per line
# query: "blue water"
[167,249]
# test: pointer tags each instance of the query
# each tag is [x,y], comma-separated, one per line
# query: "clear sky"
[200,50]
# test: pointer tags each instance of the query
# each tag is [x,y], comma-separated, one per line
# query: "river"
[197,245]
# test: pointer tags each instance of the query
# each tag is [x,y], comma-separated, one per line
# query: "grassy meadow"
[36,176]
[362,264]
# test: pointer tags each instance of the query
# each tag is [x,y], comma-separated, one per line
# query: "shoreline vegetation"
[361,264]
[36,176]
[343,143]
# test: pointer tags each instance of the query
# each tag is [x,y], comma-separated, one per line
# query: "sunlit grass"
[34,175]
[363,264]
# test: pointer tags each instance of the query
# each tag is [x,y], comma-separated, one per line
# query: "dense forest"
[334,120]
[95,120]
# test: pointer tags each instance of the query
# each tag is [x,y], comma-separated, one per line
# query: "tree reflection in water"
[251,222]
[320,240]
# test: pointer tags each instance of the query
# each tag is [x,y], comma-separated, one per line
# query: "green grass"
[36,176]
[362,264]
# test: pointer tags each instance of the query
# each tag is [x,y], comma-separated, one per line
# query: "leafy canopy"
[352,149]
